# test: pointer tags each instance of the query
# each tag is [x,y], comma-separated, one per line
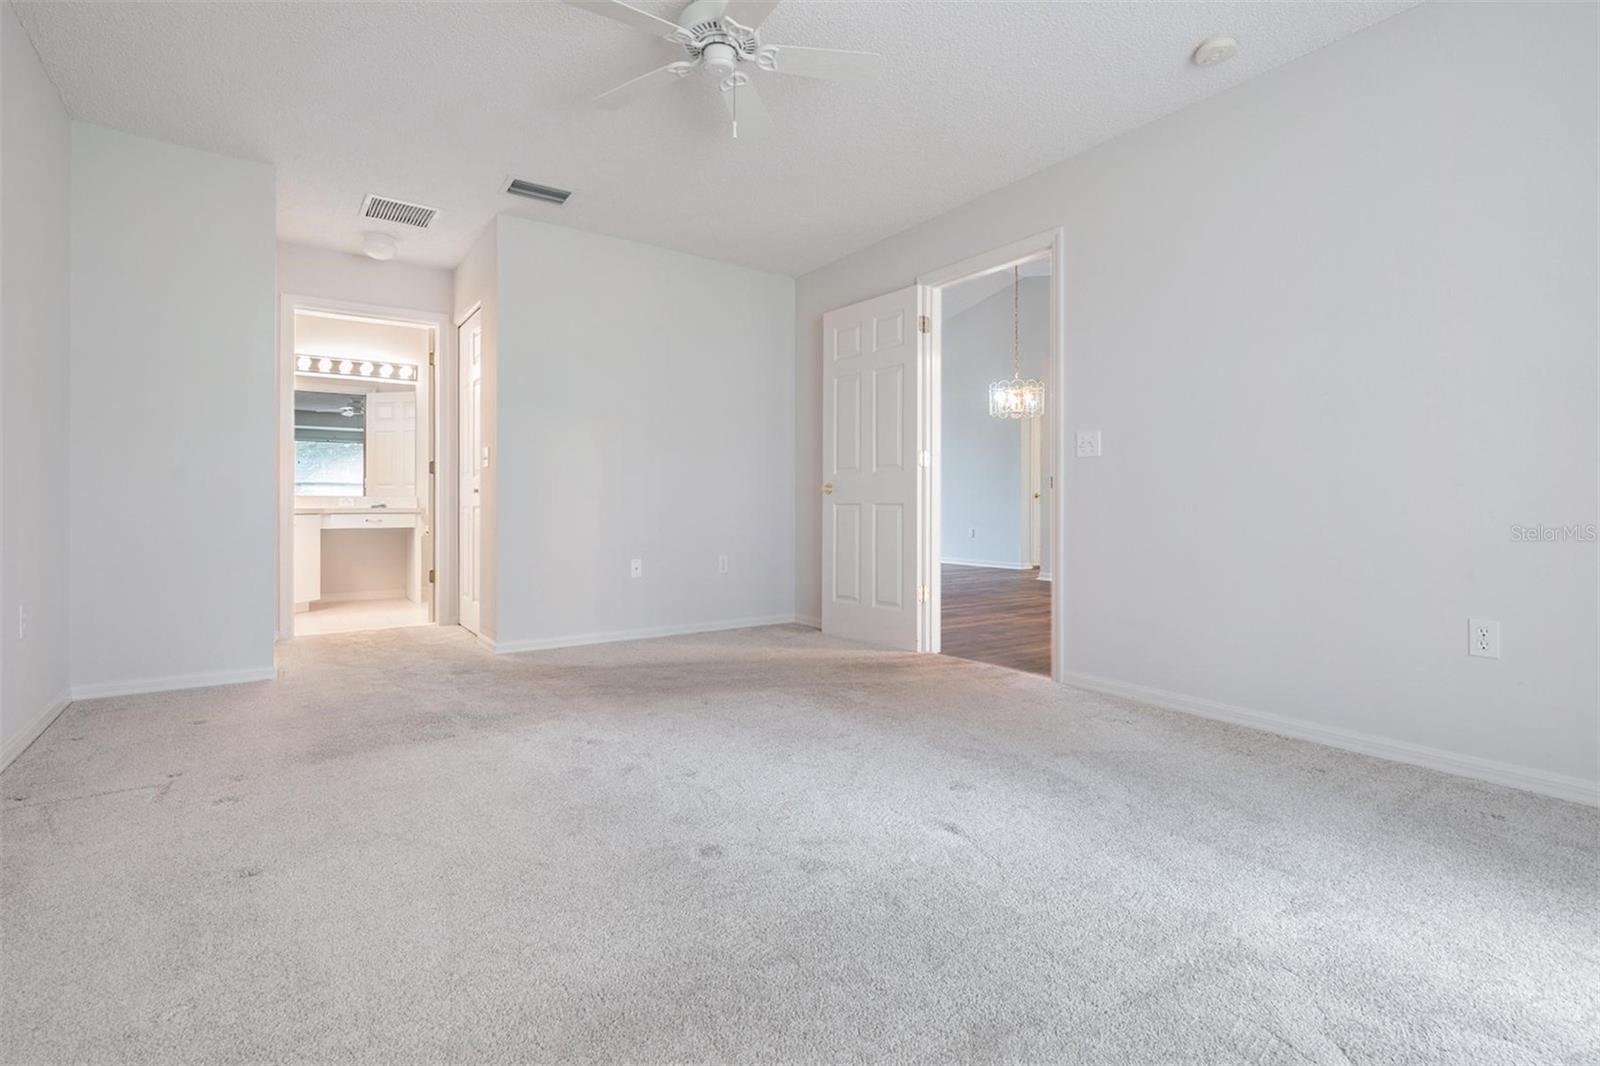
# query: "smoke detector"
[1214,50]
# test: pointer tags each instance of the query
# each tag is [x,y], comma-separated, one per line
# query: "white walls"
[173,434]
[365,563]
[645,410]
[35,162]
[330,275]
[346,338]
[1338,326]
[981,477]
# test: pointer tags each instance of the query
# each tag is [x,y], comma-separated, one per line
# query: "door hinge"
[922,593]
[430,354]
[432,469]
[432,577]
[924,458]
[923,325]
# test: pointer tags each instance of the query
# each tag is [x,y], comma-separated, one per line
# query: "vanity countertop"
[358,510]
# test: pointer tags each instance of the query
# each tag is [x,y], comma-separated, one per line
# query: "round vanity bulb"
[344,367]
[407,373]
[366,369]
[303,363]
[386,371]
[325,365]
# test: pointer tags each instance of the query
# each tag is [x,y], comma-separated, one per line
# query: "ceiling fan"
[723,38]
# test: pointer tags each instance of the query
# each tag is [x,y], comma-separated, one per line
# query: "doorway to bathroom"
[360,460]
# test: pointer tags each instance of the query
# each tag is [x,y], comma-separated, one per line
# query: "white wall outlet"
[722,564]
[636,568]
[22,621]
[1088,443]
[1483,638]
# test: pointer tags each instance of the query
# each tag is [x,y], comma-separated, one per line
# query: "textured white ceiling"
[439,103]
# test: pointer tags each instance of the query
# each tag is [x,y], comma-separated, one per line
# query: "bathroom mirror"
[350,443]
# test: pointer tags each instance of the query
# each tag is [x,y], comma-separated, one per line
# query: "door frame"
[441,406]
[1053,243]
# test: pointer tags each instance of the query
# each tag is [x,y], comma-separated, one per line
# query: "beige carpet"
[762,845]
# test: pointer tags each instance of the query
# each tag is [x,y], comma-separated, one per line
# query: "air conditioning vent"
[535,191]
[387,210]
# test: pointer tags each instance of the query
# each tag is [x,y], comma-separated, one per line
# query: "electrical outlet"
[636,568]
[722,564]
[22,621]
[1088,443]
[1483,638]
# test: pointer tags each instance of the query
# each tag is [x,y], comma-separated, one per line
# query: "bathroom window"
[330,431]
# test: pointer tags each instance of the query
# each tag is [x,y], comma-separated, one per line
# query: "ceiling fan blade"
[749,13]
[749,114]
[829,64]
[642,21]
[629,91]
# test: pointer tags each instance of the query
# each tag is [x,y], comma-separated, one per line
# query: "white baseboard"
[352,597]
[987,564]
[1561,786]
[1044,575]
[577,640]
[811,620]
[33,730]
[103,689]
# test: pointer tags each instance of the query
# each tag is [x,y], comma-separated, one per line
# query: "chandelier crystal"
[1016,398]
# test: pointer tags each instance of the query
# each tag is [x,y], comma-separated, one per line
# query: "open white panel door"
[392,444]
[872,484]
[470,526]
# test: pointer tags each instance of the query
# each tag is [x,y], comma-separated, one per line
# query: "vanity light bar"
[350,368]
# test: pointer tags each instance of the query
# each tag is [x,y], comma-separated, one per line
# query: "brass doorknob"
[1036,495]
[827,489]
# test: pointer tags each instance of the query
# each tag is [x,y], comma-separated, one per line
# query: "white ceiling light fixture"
[1016,398]
[723,38]
[1214,50]
[379,246]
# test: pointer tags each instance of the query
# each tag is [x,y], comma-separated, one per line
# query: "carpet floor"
[761,845]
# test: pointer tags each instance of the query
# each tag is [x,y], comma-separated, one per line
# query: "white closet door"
[470,529]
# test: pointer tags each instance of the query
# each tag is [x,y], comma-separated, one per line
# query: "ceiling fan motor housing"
[720,44]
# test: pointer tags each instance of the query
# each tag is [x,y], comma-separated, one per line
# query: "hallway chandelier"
[1016,398]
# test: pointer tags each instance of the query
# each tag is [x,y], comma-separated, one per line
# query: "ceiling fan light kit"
[723,39]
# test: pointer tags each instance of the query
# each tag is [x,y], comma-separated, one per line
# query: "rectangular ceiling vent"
[534,191]
[387,210]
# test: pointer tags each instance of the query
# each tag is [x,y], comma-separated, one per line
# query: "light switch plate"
[1088,443]
[636,568]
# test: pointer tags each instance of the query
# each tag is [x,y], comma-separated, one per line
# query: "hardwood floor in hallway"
[996,616]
